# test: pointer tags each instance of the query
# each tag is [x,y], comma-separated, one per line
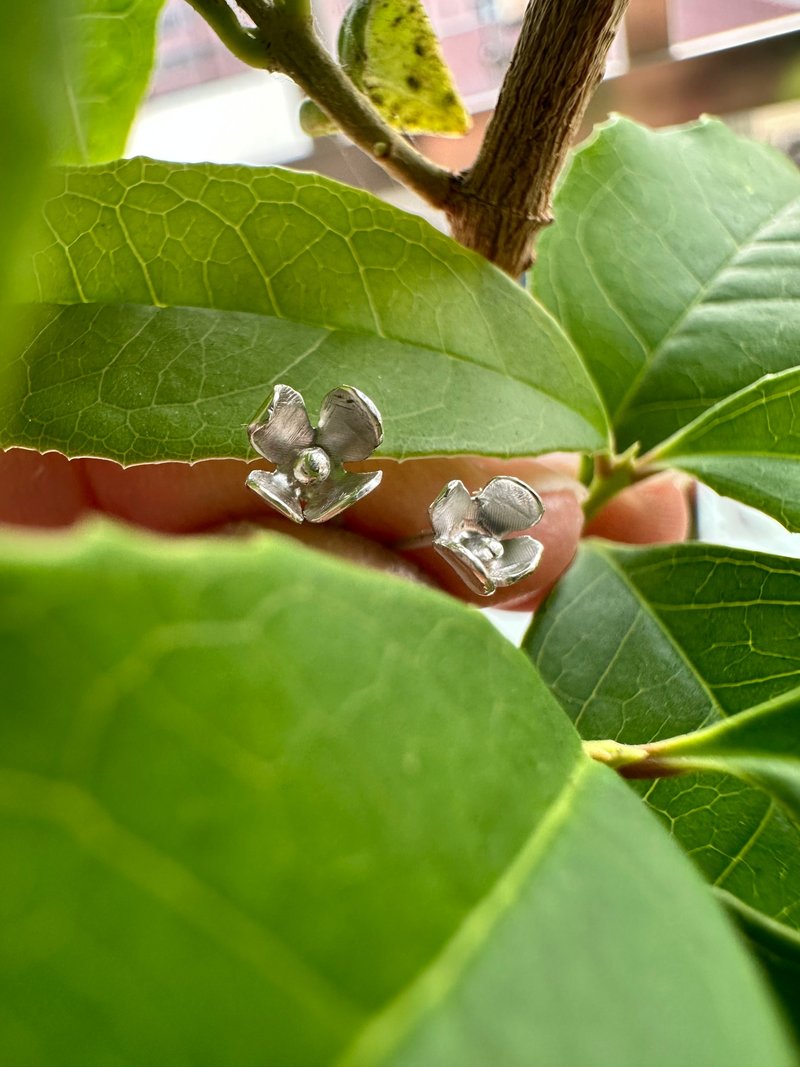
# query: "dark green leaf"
[276,276]
[673,266]
[262,807]
[761,746]
[639,645]
[747,447]
[108,48]
[777,950]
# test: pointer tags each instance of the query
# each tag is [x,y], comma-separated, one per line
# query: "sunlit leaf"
[390,51]
[673,266]
[185,293]
[107,56]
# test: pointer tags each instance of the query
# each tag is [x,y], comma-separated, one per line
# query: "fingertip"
[40,490]
[657,510]
[173,497]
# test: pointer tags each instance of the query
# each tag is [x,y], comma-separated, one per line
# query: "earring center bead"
[312,465]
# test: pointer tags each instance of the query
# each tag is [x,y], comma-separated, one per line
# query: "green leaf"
[263,807]
[673,267]
[639,645]
[390,51]
[28,46]
[192,290]
[761,746]
[777,950]
[106,60]
[747,447]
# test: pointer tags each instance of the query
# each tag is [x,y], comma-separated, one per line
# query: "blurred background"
[673,60]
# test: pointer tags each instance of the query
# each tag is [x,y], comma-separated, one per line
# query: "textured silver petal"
[350,426]
[452,510]
[520,558]
[469,567]
[323,500]
[507,505]
[284,430]
[279,490]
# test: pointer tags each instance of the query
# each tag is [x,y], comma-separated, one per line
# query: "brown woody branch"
[500,204]
[504,199]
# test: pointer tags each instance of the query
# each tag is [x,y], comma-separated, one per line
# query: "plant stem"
[631,761]
[612,474]
[499,205]
[506,195]
[244,44]
[289,44]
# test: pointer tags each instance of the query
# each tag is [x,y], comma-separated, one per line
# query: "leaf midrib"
[331,331]
[433,985]
[624,405]
[71,808]
[647,608]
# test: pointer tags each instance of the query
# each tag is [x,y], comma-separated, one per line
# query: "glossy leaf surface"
[761,746]
[258,810]
[107,57]
[192,290]
[640,645]
[748,447]
[673,266]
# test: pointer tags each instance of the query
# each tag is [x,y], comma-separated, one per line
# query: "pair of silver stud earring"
[473,532]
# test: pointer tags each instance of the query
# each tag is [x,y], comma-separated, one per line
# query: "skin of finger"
[655,511]
[40,490]
[173,497]
[178,498]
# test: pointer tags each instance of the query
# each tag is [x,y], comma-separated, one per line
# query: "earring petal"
[277,490]
[284,430]
[350,426]
[340,491]
[507,505]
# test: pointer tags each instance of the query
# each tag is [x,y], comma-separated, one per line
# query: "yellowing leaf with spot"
[389,49]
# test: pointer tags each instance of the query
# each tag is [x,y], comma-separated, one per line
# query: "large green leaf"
[271,276]
[673,266]
[761,746]
[747,447]
[105,66]
[639,645]
[262,807]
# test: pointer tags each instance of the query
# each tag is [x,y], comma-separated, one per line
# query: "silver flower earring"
[309,481]
[473,532]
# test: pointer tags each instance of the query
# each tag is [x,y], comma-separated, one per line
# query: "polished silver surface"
[473,532]
[309,480]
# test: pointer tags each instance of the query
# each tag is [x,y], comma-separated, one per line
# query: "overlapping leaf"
[192,290]
[761,746]
[673,266]
[257,811]
[642,645]
[108,48]
[748,447]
